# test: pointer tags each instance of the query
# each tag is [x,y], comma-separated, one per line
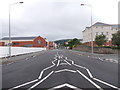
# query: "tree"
[116,38]
[100,40]
[73,43]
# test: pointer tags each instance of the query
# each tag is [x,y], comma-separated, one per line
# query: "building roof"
[115,25]
[101,24]
[19,38]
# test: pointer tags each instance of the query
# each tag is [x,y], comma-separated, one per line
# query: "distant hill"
[62,41]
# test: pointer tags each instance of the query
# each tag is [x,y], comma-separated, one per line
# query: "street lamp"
[10,27]
[91,24]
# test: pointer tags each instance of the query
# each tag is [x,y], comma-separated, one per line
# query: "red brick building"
[26,41]
[2,44]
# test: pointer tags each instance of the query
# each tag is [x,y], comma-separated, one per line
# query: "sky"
[54,19]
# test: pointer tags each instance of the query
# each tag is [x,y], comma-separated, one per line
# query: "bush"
[115,47]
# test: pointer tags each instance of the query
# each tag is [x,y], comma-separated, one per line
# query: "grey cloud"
[51,20]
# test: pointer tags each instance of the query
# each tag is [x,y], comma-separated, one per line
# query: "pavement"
[106,57]
[16,58]
[58,70]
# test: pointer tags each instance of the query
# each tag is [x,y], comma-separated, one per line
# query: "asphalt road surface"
[58,69]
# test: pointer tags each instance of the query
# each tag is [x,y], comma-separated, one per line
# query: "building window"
[46,44]
[39,42]
[102,33]
[16,43]
[106,33]
[97,33]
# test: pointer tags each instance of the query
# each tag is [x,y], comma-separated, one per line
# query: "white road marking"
[10,63]
[26,58]
[41,81]
[89,73]
[49,67]
[63,63]
[24,84]
[90,80]
[58,63]
[65,70]
[70,60]
[67,62]
[79,66]
[63,85]
[34,56]
[106,83]
[41,74]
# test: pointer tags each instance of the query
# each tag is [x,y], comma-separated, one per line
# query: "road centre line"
[106,83]
[24,84]
[65,70]
[89,80]
[41,80]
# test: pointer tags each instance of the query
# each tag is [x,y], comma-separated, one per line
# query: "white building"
[98,29]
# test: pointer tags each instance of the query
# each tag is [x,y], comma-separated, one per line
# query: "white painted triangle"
[65,85]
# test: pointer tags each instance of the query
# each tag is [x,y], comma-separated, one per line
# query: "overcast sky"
[55,19]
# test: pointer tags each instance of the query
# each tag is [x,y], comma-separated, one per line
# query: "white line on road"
[89,73]
[63,85]
[106,83]
[41,81]
[58,63]
[70,60]
[24,84]
[90,80]
[49,67]
[67,62]
[65,70]
[79,66]
[41,74]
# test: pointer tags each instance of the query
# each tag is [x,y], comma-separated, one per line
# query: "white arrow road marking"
[41,80]
[90,80]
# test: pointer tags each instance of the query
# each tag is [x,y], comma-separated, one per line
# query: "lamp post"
[91,25]
[10,27]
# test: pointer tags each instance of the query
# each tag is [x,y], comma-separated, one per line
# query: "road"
[60,69]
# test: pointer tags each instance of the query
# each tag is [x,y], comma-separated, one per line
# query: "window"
[102,33]
[97,33]
[39,42]
[16,43]
[106,33]
[46,44]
